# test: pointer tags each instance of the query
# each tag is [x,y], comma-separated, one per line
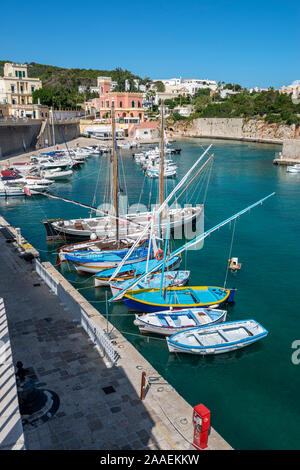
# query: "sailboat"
[174,298]
[105,225]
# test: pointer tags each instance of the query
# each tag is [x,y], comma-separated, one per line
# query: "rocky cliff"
[234,128]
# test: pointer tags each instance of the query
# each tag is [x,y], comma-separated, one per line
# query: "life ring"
[159,255]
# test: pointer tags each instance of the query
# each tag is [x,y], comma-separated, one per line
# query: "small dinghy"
[169,323]
[171,279]
[217,339]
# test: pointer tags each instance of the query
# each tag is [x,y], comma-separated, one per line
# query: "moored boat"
[171,279]
[130,271]
[217,339]
[93,262]
[153,300]
[171,322]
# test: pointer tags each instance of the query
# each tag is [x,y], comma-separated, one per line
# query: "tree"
[160,86]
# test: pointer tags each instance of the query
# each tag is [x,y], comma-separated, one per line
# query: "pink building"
[127,105]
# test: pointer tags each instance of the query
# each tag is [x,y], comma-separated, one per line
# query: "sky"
[253,43]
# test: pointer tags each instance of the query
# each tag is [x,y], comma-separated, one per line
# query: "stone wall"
[234,128]
[33,134]
[291,150]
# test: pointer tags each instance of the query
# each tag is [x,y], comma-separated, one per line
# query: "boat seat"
[184,320]
[202,318]
[170,321]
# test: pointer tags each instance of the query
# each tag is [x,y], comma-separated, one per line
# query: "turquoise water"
[252,393]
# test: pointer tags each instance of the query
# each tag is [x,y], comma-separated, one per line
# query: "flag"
[27,191]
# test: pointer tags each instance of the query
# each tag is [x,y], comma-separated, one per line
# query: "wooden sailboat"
[152,300]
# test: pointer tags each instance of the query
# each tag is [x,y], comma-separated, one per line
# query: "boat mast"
[115,183]
[162,158]
[53,132]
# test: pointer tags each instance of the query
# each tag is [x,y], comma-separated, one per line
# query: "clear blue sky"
[247,42]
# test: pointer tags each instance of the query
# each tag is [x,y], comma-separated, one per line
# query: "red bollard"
[201,422]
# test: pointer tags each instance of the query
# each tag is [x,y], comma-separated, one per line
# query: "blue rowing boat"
[217,339]
[94,261]
[171,279]
[130,271]
[170,322]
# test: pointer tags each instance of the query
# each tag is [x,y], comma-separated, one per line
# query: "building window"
[132,104]
[139,104]
[12,87]
[13,101]
[107,103]
[23,74]
[101,104]
[21,88]
[16,73]
[32,89]
[121,104]
[101,90]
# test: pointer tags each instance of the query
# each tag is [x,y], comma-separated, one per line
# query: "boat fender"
[159,255]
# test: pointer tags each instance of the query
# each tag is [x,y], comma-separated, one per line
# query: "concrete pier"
[99,405]
[290,153]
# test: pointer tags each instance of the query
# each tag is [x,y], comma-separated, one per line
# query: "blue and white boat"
[169,323]
[94,261]
[133,270]
[171,279]
[217,339]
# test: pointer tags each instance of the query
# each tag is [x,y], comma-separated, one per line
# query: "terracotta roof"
[147,125]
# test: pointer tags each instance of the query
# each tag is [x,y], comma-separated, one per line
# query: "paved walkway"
[99,405]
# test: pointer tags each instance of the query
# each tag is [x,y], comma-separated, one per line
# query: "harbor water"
[252,393]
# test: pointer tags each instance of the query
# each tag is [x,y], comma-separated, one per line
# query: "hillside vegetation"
[60,85]
[272,106]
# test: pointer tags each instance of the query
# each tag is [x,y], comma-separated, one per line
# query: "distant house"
[293,89]
[128,105]
[144,131]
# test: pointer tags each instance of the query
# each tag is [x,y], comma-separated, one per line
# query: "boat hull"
[104,227]
[145,327]
[150,300]
[177,342]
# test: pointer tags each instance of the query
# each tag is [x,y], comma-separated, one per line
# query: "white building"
[170,82]
[194,84]
[225,93]
[16,87]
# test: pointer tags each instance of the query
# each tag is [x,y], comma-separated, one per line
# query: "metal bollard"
[143,386]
